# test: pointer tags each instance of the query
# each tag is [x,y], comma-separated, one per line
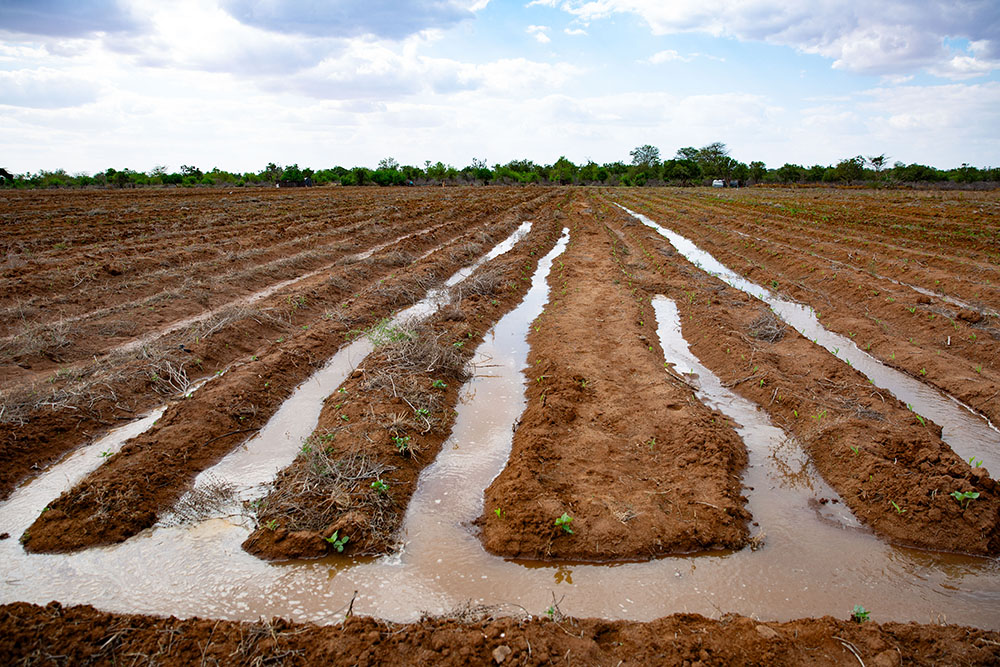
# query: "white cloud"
[892,36]
[667,56]
[575,31]
[539,33]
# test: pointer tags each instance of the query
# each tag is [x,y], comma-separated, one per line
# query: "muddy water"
[967,433]
[815,559]
[276,445]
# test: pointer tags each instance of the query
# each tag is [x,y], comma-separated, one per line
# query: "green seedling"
[564,521]
[105,454]
[423,412]
[964,497]
[402,443]
[438,384]
[855,449]
[899,510]
[380,487]
[974,462]
[272,524]
[498,512]
[341,391]
[978,368]
[338,543]
[923,371]
[859,614]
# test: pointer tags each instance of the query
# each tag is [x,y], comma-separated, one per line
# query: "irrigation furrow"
[151,472]
[887,462]
[619,456]
[199,569]
[950,350]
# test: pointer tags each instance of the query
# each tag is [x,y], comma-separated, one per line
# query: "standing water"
[968,434]
[815,559]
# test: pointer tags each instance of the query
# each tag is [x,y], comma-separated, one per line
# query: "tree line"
[688,166]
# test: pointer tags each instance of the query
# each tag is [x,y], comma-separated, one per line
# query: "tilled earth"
[117,302]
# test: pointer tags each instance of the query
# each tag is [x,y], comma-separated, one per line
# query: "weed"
[272,524]
[498,512]
[974,462]
[438,384]
[978,368]
[337,542]
[964,497]
[564,521]
[105,454]
[899,510]
[855,449]
[380,487]
[859,614]
[923,371]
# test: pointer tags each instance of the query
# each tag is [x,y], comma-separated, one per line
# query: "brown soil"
[842,262]
[371,426]
[55,408]
[150,473]
[608,437]
[31,634]
[829,407]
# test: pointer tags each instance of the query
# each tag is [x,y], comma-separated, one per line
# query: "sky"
[235,84]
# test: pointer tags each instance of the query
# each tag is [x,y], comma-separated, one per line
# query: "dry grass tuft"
[314,495]
[768,328]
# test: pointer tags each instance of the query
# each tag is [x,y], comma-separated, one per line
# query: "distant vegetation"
[688,166]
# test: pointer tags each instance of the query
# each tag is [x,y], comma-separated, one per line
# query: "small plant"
[337,542]
[855,449]
[964,497]
[423,412]
[380,487]
[974,462]
[498,512]
[438,384]
[923,371]
[564,521]
[859,614]
[402,443]
[272,524]
[899,510]
[978,368]
[105,454]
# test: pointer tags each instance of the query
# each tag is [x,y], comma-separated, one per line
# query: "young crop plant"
[859,614]
[895,506]
[439,384]
[964,497]
[402,443]
[337,542]
[565,520]
[380,487]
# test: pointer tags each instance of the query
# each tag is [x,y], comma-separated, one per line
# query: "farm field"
[549,422]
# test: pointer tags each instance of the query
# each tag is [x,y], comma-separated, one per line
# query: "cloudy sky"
[88,84]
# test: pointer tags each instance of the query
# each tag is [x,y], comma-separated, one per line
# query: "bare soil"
[31,634]
[829,407]
[847,258]
[609,438]
[389,420]
[612,436]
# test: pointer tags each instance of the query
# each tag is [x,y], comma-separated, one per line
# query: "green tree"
[758,170]
[645,156]
[714,160]
[850,169]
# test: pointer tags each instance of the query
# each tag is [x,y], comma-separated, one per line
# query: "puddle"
[814,561]
[967,433]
